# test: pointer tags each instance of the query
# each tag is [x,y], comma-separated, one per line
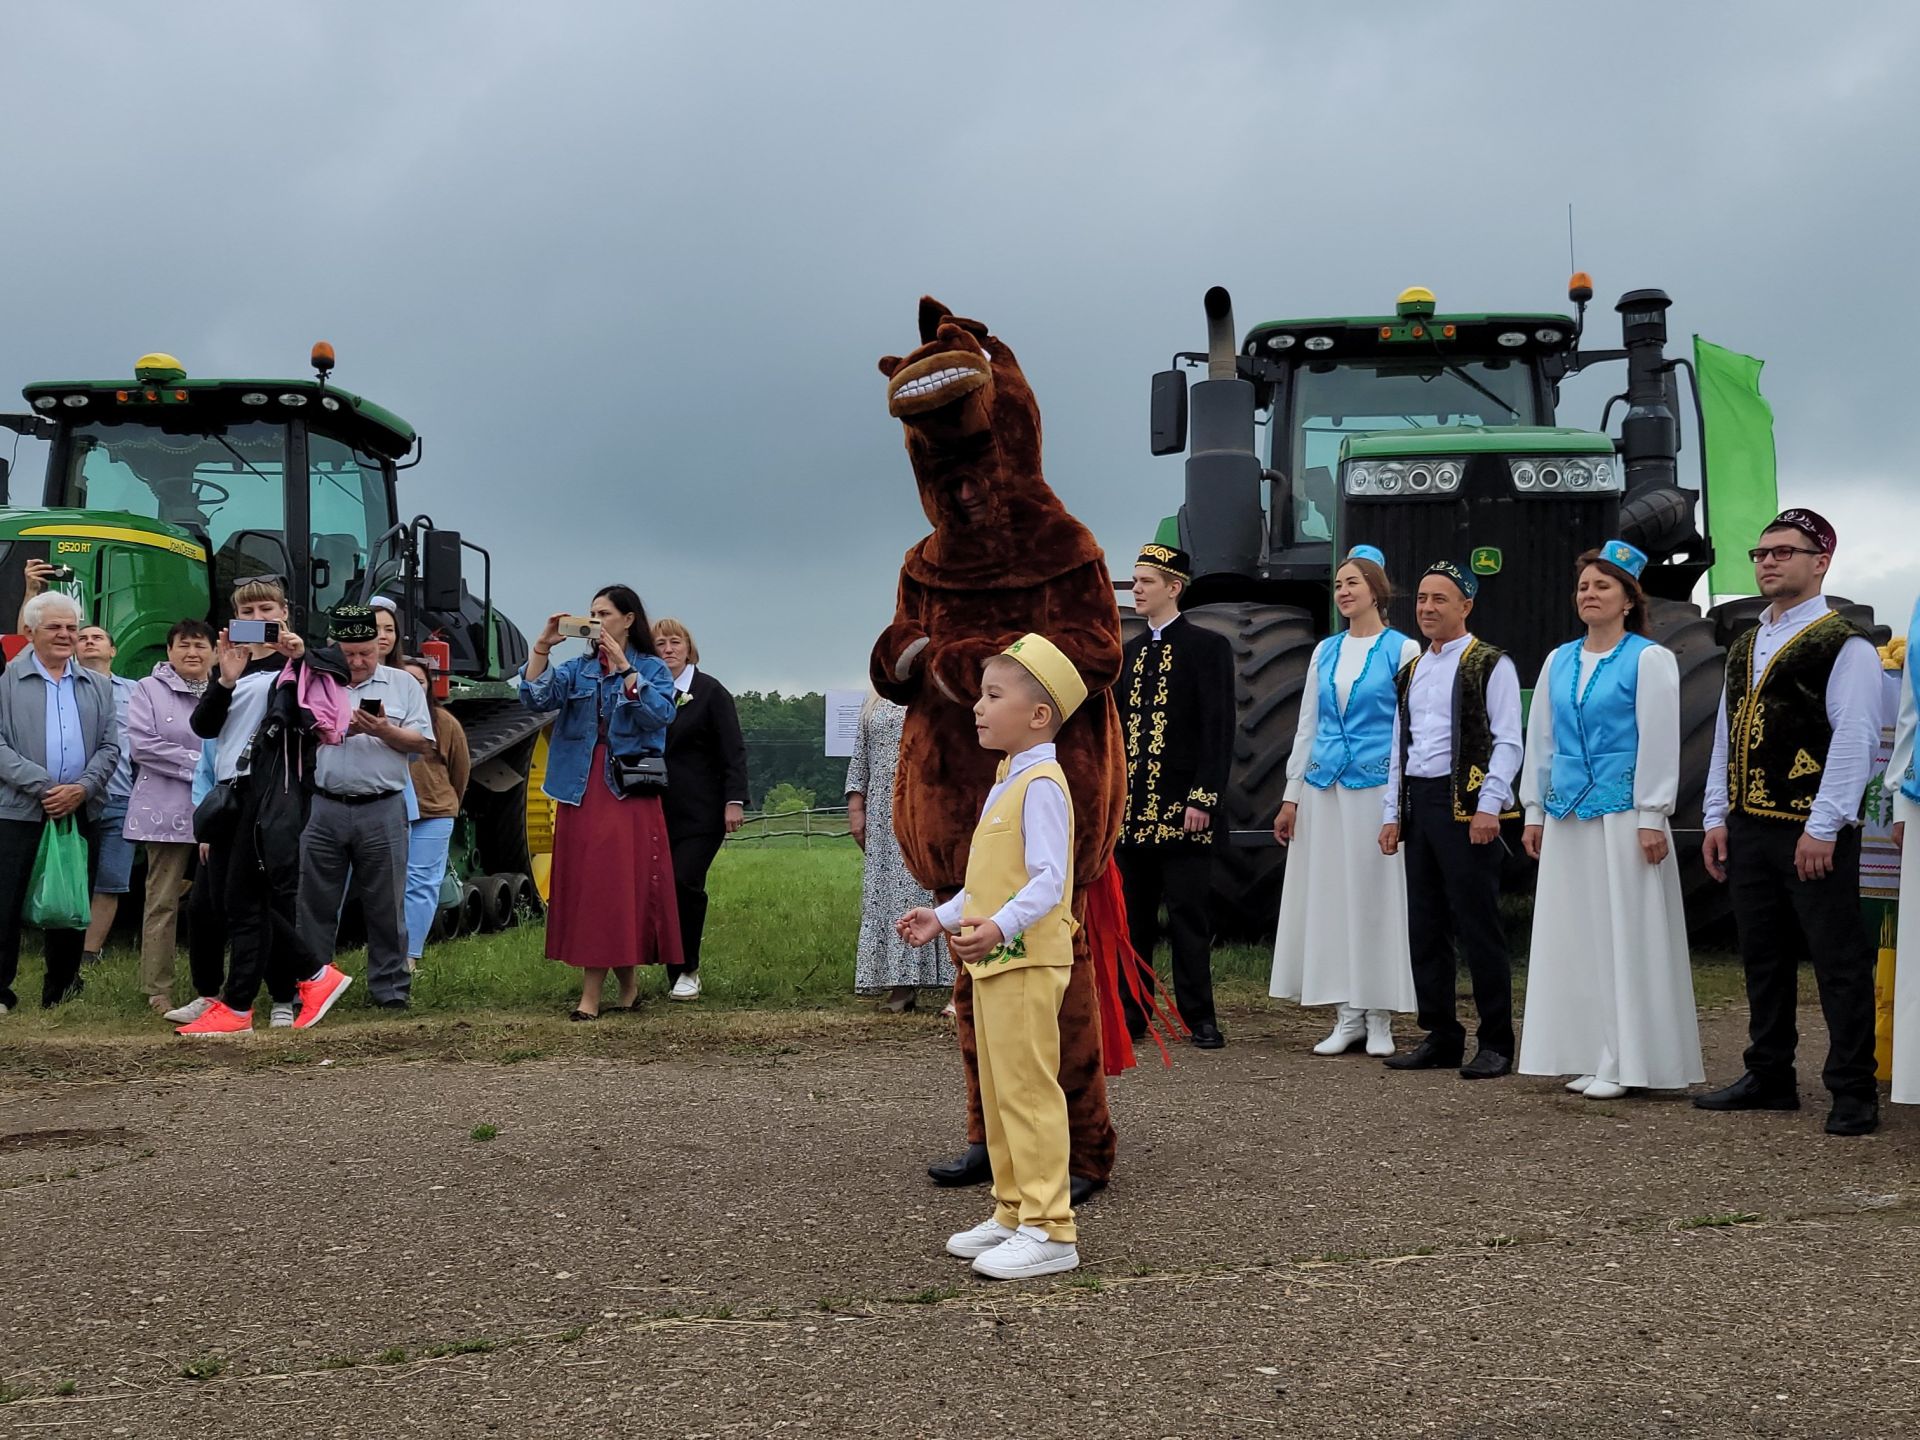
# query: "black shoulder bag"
[635,775]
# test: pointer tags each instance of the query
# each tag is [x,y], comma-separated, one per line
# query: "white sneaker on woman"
[188,1013]
[687,987]
[1348,1030]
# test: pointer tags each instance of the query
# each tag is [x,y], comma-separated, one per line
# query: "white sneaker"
[1379,1032]
[281,1016]
[188,1013]
[3,1009]
[987,1235]
[1579,1086]
[1027,1255]
[687,987]
[1348,1030]
[1604,1090]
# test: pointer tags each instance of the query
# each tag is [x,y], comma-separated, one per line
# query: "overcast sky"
[628,267]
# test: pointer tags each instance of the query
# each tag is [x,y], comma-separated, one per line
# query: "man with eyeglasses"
[1792,754]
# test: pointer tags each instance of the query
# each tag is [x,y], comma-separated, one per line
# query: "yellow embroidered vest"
[997,871]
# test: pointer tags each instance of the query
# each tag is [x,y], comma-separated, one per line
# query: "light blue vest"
[1909,782]
[1596,734]
[1352,748]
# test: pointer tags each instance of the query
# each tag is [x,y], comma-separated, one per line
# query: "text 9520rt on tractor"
[163,491]
[1432,436]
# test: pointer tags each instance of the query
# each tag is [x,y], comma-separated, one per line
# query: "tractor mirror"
[440,563]
[1169,412]
[6,469]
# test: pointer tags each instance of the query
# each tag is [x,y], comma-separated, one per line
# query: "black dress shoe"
[1487,1065]
[1854,1115]
[1425,1056]
[969,1167]
[1083,1188]
[1750,1092]
[1207,1037]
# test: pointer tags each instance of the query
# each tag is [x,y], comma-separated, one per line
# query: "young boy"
[1019,960]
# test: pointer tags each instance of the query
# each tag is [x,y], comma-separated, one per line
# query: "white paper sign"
[843,720]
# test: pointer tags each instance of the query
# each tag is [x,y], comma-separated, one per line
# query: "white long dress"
[1342,938]
[1609,981]
[1906,965]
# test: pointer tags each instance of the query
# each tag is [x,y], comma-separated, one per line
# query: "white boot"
[1349,1029]
[1578,1085]
[1604,1090]
[1379,1032]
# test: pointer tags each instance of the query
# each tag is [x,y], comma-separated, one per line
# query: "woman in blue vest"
[1342,939]
[1609,983]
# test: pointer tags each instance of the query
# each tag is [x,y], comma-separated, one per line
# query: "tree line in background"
[787,764]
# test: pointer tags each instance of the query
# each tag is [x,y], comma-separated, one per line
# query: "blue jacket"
[1596,732]
[585,698]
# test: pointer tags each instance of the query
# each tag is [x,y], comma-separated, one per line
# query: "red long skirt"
[613,902]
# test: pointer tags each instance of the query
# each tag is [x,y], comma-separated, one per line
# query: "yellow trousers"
[1016,1033]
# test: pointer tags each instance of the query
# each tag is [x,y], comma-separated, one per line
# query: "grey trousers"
[370,841]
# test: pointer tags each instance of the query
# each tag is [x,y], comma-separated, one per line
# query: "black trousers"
[261,893]
[19,844]
[206,930]
[1182,876]
[1784,920]
[1453,893]
[693,856]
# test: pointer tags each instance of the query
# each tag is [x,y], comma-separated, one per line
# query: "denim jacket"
[585,697]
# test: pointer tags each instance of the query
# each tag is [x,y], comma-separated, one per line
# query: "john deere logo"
[1485,560]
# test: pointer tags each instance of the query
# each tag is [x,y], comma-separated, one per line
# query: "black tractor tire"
[1695,643]
[472,910]
[1271,647]
[1733,618]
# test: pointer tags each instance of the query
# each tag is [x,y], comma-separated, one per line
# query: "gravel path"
[733,1244]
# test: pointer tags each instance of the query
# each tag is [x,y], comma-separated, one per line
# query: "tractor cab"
[161,495]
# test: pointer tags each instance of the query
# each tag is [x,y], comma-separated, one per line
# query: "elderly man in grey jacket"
[58,749]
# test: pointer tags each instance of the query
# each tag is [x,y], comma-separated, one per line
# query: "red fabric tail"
[1115,964]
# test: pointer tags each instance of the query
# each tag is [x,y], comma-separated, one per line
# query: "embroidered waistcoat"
[997,871]
[1777,726]
[1596,731]
[1352,747]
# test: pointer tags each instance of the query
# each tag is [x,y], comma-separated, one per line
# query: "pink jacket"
[164,751]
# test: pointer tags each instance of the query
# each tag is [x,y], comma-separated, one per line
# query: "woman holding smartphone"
[613,905]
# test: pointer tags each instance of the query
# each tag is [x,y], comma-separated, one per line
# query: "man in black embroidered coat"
[1176,712]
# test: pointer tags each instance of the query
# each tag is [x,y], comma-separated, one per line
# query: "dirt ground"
[741,1242]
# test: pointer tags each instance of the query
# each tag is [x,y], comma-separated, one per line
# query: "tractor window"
[348,495]
[213,481]
[1338,400]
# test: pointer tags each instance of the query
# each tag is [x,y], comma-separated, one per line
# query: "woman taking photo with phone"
[1609,984]
[612,906]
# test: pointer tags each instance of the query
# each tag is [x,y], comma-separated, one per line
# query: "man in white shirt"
[1456,750]
[358,824]
[1792,753]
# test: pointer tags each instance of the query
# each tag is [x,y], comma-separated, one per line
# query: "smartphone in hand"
[253,632]
[373,707]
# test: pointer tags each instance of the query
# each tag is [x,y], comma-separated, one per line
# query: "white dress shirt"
[1853,710]
[683,682]
[1430,712]
[1046,833]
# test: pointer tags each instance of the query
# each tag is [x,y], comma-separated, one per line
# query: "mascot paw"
[903,667]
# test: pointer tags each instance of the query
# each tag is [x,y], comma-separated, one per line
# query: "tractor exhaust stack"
[1222,522]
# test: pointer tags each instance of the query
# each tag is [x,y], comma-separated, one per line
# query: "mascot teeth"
[927,384]
[936,380]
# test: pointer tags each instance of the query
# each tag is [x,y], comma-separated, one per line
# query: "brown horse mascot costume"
[1004,558]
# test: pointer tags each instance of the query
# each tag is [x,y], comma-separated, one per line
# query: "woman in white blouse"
[1609,983]
[1342,939]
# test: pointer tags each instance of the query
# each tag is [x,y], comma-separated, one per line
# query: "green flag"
[1742,493]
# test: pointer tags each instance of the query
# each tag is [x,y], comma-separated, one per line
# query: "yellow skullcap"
[1043,660]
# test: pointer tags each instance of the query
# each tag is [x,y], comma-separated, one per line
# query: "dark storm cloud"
[628,267]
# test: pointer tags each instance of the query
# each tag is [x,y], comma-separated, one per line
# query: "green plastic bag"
[57,897]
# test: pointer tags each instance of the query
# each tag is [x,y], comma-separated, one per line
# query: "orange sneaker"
[220,1019]
[318,994]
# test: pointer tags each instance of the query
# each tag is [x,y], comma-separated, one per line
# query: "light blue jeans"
[427,842]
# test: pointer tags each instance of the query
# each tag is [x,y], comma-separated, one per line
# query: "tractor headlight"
[1428,478]
[1551,474]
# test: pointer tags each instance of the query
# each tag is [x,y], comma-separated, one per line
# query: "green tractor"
[1431,436]
[163,491]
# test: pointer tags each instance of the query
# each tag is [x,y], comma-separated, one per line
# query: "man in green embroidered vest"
[1792,753]
[1456,750]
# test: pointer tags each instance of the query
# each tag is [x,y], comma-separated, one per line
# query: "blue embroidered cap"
[1628,557]
[1469,586]
[1369,552]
